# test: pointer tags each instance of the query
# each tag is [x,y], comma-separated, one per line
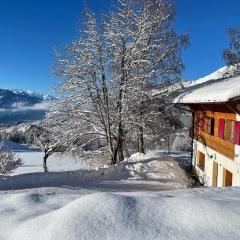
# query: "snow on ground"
[155,174]
[62,213]
[153,171]
[33,160]
[125,201]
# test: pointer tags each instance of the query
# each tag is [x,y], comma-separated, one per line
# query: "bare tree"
[106,71]
[232,54]
[51,136]
[44,140]
[144,49]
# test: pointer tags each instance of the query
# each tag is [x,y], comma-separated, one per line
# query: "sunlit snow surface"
[33,163]
[33,160]
[122,202]
[152,172]
[63,213]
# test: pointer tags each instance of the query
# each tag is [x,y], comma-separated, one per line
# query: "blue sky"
[30,29]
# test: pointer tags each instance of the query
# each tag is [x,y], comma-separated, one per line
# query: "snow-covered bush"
[181,143]
[8,161]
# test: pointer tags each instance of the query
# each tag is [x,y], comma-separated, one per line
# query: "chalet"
[215,131]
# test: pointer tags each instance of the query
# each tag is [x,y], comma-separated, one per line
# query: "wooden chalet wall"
[207,118]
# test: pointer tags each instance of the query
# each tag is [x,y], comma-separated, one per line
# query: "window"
[229,131]
[201,160]
[221,127]
[212,126]
[237,133]
[209,125]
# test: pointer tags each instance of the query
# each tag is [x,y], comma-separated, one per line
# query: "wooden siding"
[219,145]
[217,115]
[225,108]
[211,113]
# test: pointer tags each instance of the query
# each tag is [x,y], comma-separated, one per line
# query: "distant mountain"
[18,106]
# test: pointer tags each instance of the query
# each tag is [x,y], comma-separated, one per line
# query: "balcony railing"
[224,147]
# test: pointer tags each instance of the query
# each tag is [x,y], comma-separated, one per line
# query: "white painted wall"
[223,162]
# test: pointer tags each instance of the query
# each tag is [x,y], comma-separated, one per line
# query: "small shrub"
[8,161]
[182,143]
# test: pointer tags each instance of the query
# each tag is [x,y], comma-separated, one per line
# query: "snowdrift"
[183,214]
[124,202]
[161,173]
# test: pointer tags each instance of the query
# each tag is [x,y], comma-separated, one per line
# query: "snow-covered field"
[135,174]
[129,201]
[33,160]
[64,213]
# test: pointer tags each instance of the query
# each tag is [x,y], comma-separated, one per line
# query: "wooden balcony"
[224,147]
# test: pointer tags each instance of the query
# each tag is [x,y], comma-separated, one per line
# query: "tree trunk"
[46,155]
[114,156]
[141,148]
[120,107]
[120,152]
[141,129]
[118,155]
[120,143]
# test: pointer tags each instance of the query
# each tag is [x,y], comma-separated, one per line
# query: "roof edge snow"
[216,92]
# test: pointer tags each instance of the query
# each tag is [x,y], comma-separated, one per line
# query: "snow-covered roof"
[215,92]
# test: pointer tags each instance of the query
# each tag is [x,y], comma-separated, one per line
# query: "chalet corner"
[215,131]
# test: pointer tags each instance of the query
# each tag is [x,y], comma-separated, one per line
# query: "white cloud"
[21,107]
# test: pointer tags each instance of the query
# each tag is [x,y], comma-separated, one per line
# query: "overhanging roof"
[216,92]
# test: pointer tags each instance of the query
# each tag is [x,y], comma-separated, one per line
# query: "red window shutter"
[201,124]
[221,125]
[237,133]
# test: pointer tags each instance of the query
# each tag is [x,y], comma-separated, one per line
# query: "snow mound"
[163,172]
[138,156]
[203,214]
[153,169]
[143,156]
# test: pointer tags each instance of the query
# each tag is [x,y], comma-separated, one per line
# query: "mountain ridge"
[18,106]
